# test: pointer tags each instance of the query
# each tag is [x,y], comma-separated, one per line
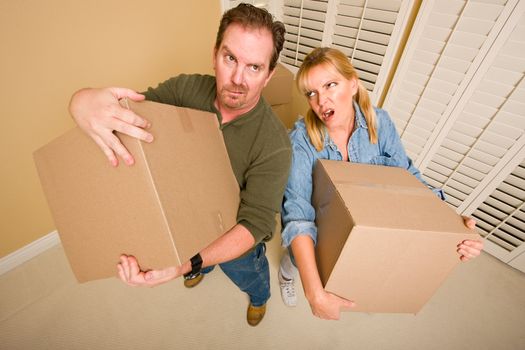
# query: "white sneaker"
[287,291]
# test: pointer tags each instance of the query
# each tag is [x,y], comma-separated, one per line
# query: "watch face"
[191,275]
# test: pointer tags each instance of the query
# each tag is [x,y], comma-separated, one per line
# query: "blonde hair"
[339,61]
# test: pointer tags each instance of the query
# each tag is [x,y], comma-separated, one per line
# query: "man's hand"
[469,249]
[131,274]
[328,306]
[98,113]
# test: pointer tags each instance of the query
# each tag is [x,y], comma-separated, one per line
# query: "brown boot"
[194,281]
[255,314]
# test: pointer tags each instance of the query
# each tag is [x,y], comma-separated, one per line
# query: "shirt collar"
[360,121]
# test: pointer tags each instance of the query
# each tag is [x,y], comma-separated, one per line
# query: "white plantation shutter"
[501,213]
[367,31]
[305,24]
[447,43]
[363,30]
[458,100]
[501,219]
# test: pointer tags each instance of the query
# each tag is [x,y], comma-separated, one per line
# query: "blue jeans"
[250,273]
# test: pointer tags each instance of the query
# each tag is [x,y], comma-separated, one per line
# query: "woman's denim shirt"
[298,214]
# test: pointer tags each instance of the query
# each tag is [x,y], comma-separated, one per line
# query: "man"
[244,57]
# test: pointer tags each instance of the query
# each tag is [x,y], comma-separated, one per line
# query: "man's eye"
[230,58]
[310,94]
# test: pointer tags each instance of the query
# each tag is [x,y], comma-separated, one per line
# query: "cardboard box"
[284,112]
[278,94]
[385,241]
[278,91]
[178,197]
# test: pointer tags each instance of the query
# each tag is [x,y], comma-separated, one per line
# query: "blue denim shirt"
[298,214]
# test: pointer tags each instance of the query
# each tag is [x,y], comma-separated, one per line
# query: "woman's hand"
[469,249]
[328,306]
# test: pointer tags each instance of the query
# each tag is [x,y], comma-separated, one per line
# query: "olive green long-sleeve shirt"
[257,144]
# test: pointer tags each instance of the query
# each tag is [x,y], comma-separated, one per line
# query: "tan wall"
[51,48]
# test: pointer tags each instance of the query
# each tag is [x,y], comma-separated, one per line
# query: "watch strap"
[196,266]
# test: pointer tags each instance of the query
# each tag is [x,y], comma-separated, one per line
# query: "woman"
[340,125]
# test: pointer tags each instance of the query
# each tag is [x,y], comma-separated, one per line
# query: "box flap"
[373,195]
[331,216]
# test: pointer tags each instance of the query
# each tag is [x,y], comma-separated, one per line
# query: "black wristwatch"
[196,266]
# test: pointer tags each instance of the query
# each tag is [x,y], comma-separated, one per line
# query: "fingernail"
[149,138]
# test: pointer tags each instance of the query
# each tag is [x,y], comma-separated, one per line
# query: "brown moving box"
[385,241]
[278,94]
[179,196]
[278,91]
[284,113]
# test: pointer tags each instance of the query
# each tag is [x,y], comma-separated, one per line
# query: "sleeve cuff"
[439,192]
[296,228]
[258,236]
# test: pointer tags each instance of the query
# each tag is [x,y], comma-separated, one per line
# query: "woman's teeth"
[328,113]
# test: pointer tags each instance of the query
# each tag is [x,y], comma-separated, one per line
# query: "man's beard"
[232,100]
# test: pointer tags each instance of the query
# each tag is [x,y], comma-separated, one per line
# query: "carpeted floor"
[480,306]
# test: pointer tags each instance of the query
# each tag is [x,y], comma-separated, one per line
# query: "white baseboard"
[28,252]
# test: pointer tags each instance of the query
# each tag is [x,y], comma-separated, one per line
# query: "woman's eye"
[310,94]
[332,84]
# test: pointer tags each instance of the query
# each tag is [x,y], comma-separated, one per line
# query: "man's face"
[241,66]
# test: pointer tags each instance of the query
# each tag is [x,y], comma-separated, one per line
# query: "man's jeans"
[250,273]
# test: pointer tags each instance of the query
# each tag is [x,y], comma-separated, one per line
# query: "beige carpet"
[481,306]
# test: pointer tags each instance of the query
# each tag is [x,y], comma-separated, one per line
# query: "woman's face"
[330,95]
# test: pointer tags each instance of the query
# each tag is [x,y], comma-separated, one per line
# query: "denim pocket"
[259,256]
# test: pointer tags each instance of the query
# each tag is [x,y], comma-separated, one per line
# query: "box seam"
[163,212]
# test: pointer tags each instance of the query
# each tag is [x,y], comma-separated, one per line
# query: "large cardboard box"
[284,112]
[278,91]
[278,94]
[385,241]
[179,196]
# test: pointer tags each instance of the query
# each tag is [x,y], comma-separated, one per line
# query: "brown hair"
[253,17]
[339,61]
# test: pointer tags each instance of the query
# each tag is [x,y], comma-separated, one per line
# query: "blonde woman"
[340,125]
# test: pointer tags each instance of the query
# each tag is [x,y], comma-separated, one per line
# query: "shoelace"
[288,288]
